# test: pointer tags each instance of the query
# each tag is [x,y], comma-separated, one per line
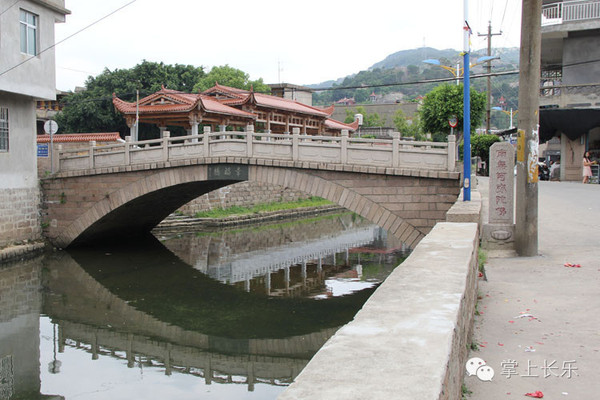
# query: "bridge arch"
[124,203]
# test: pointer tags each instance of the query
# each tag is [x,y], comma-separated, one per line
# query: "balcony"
[570,11]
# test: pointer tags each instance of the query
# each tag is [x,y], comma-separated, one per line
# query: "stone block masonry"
[19,218]
[243,194]
[83,205]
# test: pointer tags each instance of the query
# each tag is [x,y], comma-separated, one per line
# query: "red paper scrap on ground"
[537,394]
[569,265]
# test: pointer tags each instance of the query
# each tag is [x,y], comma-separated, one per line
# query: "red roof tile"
[265,100]
[333,124]
[220,100]
[212,105]
[80,137]
[180,102]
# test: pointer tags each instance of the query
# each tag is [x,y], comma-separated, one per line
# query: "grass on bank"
[312,201]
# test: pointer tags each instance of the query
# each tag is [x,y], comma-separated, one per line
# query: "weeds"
[312,201]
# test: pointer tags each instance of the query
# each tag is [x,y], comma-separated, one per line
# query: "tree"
[228,76]
[92,110]
[369,120]
[447,100]
[480,147]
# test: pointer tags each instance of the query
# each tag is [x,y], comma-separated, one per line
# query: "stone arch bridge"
[126,189]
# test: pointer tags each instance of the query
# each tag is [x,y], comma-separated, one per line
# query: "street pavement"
[538,326]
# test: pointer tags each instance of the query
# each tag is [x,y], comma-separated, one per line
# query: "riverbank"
[177,222]
[19,252]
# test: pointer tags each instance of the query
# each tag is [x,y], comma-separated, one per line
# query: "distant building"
[301,94]
[47,109]
[346,102]
[373,97]
[570,84]
[26,75]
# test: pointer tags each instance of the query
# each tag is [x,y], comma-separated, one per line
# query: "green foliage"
[369,120]
[268,207]
[407,66]
[228,76]
[480,147]
[92,110]
[447,100]
[400,122]
[465,391]
[408,127]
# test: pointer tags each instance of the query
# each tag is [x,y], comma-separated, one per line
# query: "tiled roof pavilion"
[226,106]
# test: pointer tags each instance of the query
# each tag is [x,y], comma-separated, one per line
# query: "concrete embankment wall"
[243,194]
[410,340]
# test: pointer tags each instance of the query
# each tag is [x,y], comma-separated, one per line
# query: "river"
[220,314]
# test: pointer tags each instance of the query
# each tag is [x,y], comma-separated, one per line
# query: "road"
[539,326]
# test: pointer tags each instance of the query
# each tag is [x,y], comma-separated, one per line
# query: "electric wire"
[504,14]
[68,37]
[13,4]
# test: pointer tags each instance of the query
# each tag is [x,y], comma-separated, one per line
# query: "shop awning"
[573,123]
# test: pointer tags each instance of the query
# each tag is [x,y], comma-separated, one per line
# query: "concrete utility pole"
[526,227]
[489,35]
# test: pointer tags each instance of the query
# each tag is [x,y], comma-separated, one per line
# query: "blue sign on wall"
[42,150]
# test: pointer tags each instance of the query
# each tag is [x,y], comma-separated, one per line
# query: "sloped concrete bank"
[183,223]
[410,340]
[21,252]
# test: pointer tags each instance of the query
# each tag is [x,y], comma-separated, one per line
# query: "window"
[29,23]
[3,129]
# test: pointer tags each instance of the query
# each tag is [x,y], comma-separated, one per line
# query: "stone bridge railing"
[343,150]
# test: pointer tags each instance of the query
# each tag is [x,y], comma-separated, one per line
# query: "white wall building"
[27,74]
[570,86]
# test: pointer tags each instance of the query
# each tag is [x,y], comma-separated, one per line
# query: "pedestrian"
[587,167]
[555,170]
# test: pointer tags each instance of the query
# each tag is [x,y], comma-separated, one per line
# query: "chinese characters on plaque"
[498,233]
[236,172]
[501,200]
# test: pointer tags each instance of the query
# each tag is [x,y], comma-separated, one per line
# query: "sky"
[302,42]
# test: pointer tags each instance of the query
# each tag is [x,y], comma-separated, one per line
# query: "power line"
[437,80]
[504,14]
[13,4]
[68,37]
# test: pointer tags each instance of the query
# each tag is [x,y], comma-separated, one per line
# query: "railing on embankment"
[247,145]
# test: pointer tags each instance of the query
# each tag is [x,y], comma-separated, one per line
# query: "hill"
[392,78]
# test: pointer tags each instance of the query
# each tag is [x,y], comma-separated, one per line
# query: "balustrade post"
[127,147]
[451,153]
[395,149]
[344,146]
[206,141]
[295,143]
[194,131]
[249,140]
[91,153]
[56,159]
[165,145]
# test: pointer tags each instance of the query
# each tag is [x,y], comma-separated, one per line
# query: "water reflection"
[182,316]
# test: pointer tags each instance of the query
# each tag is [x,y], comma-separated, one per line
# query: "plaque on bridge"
[227,172]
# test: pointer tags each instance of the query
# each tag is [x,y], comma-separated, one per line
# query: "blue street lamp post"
[466,109]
